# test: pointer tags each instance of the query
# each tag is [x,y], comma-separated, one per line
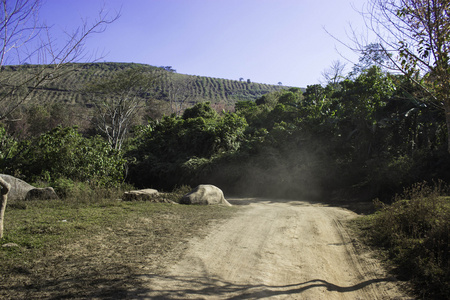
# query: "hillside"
[68,88]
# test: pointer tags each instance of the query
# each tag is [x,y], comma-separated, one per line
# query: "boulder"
[150,195]
[205,194]
[19,188]
[140,195]
[47,193]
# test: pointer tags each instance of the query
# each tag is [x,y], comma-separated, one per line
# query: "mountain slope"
[172,87]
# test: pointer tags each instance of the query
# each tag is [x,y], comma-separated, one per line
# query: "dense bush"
[8,146]
[171,152]
[415,230]
[64,153]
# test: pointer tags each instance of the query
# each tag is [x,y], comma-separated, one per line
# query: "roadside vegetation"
[413,233]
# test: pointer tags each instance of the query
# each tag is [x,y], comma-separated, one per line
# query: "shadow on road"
[217,288]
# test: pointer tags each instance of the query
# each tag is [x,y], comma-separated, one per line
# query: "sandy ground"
[275,249]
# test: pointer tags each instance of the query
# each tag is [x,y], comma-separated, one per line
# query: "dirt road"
[276,250]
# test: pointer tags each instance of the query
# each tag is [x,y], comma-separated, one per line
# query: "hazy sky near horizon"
[266,41]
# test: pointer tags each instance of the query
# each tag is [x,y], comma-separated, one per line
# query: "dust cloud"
[291,172]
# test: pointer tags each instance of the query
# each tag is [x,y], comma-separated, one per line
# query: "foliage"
[164,147]
[200,110]
[365,135]
[418,32]
[8,146]
[415,230]
[64,153]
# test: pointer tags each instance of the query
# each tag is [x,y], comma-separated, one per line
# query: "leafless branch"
[23,39]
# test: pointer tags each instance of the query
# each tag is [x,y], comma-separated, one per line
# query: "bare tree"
[334,74]
[180,92]
[117,101]
[415,36]
[4,190]
[24,40]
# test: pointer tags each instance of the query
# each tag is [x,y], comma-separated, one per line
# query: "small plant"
[63,187]
[178,193]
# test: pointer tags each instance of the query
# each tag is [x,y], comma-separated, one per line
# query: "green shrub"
[64,153]
[63,186]
[8,147]
[172,151]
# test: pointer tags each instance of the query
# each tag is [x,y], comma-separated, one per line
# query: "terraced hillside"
[171,87]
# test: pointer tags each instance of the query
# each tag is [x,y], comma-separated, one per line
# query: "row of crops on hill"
[68,87]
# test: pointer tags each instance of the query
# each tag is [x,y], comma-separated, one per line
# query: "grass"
[93,249]
[414,234]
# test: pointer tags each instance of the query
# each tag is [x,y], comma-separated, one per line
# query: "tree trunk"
[5,187]
[447,121]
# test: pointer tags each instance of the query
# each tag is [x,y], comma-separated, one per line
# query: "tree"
[334,74]
[117,101]
[359,107]
[418,32]
[202,110]
[24,40]
[169,69]
[179,92]
[372,55]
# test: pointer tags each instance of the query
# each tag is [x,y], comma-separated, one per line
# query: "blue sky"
[266,41]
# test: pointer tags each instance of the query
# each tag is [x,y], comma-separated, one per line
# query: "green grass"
[63,243]
[414,233]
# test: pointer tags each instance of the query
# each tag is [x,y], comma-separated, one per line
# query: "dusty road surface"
[275,249]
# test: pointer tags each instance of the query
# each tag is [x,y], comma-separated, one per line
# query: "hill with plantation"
[68,86]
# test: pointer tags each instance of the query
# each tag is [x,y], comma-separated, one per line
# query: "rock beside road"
[150,195]
[205,194]
[47,193]
[21,190]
